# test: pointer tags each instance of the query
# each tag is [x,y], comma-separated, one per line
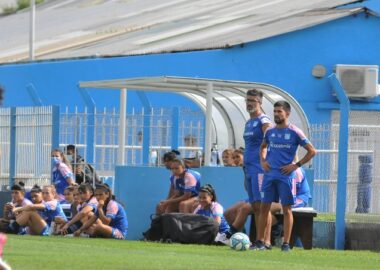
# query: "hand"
[287,169]
[265,165]
[100,203]
[9,206]
[64,229]
[16,210]
[162,206]
[77,233]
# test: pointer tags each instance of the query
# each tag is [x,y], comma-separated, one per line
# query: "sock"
[14,227]
[233,229]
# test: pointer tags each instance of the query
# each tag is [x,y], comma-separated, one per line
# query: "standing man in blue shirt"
[253,136]
[277,153]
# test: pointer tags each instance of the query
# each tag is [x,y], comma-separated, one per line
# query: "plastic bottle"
[153,158]
[214,155]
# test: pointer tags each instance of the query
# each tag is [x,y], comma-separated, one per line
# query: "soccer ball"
[240,241]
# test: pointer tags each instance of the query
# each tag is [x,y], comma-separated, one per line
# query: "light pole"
[32,29]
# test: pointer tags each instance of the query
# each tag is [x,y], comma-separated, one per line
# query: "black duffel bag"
[182,228]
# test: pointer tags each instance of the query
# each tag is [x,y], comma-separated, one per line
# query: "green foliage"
[9,10]
[34,252]
[21,4]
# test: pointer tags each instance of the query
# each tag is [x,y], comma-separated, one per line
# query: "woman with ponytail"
[110,220]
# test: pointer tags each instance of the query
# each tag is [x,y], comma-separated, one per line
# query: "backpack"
[182,228]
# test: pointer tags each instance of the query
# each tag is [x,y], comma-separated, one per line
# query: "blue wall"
[285,61]
[141,188]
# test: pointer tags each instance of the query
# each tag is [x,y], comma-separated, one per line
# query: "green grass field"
[34,252]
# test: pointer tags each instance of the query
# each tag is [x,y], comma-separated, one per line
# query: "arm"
[86,225]
[105,220]
[70,181]
[29,207]
[171,192]
[308,156]
[263,153]
[264,129]
[87,209]
[218,219]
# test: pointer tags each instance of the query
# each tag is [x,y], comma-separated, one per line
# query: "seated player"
[185,184]
[38,217]
[208,206]
[86,210]
[111,217]
[18,200]
[227,158]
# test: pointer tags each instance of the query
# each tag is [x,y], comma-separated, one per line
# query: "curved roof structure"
[228,114]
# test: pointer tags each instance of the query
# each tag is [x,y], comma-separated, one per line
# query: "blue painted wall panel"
[139,189]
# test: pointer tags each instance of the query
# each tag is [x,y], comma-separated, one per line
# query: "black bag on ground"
[182,228]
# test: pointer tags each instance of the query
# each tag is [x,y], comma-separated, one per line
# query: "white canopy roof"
[228,102]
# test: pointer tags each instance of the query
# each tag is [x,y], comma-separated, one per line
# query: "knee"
[182,207]
[287,211]
[256,208]
[246,209]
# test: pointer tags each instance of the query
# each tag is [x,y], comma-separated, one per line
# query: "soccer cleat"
[268,246]
[285,247]
[258,245]
[222,238]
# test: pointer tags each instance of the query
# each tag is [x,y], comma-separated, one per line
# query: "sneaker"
[268,246]
[85,235]
[285,247]
[258,245]
[222,238]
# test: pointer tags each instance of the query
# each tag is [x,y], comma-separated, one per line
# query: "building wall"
[285,61]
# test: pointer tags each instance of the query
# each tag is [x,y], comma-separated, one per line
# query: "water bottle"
[214,155]
[153,158]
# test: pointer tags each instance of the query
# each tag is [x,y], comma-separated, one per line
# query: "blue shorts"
[275,190]
[254,179]
[117,234]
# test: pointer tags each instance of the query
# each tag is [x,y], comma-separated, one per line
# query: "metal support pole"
[209,98]
[147,115]
[122,125]
[13,147]
[32,25]
[341,200]
[90,138]
[175,128]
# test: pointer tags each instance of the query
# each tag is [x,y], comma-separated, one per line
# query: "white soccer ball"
[240,241]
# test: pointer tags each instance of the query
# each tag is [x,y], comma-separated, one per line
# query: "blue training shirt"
[253,137]
[282,148]
[215,210]
[190,182]
[117,215]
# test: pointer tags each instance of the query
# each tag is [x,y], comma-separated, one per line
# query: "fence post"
[147,115]
[340,223]
[12,147]
[175,127]
[55,127]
